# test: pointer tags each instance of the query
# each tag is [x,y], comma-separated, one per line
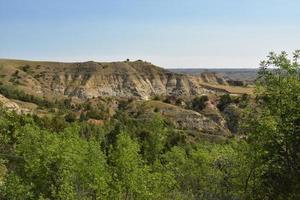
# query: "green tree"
[152,137]
[56,166]
[132,178]
[209,171]
[274,129]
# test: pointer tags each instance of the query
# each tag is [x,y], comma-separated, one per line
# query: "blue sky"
[169,33]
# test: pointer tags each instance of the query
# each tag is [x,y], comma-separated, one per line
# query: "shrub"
[224,101]
[198,103]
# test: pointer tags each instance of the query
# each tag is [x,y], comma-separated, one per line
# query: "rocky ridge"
[93,79]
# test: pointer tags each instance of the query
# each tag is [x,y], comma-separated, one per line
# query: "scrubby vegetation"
[15,93]
[125,159]
[198,103]
[132,158]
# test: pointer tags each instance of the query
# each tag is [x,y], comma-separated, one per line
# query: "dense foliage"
[128,158]
[273,127]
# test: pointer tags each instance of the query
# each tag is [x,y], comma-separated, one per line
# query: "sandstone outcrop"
[93,79]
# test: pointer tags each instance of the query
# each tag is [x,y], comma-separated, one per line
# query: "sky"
[168,33]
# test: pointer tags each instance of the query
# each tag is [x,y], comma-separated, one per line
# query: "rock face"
[188,119]
[180,118]
[92,79]
[8,104]
[213,77]
[137,79]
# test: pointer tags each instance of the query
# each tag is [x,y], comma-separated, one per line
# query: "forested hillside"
[245,147]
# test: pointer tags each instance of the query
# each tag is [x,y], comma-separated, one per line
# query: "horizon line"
[110,61]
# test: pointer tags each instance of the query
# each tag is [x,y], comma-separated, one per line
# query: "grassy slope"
[231,89]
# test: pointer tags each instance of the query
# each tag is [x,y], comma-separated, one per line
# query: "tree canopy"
[128,158]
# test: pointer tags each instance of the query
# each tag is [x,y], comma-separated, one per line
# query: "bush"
[224,101]
[198,103]
[13,93]
[70,117]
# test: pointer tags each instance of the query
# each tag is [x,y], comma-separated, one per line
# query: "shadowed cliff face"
[179,117]
[91,79]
